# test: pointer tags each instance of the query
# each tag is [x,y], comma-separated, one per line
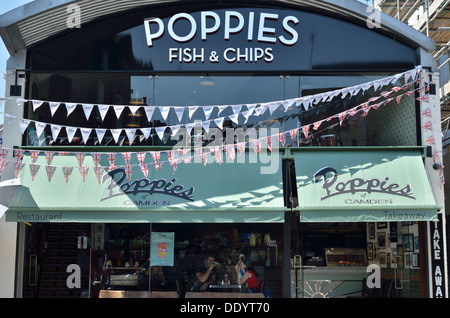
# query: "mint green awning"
[227,192]
[371,184]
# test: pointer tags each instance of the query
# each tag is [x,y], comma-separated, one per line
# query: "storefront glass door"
[335,260]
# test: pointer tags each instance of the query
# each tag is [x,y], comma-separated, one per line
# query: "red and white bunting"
[127,157]
[96,157]
[129,172]
[217,152]
[67,171]
[425,98]
[158,164]
[230,150]
[50,172]
[141,157]
[99,171]
[305,130]
[427,112]
[80,158]
[18,166]
[33,170]
[293,133]
[256,145]
[428,125]
[3,153]
[269,143]
[282,138]
[3,164]
[34,155]
[18,154]
[156,155]
[145,169]
[241,147]
[83,172]
[49,157]
[111,158]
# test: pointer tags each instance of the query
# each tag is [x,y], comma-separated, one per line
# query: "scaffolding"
[432,18]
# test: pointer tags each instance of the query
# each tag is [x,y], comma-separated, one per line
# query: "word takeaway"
[118,185]
[355,185]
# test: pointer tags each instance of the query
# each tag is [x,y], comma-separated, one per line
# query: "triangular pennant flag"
[3,164]
[205,125]
[70,107]
[192,110]
[219,122]
[80,158]
[23,123]
[131,133]
[50,172]
[96,157]
[127,157]
[67,172]
[317,124]
[39,128]
[63,153]
[87,108]
[305,130]
[118,110]
[18,166]
[49,156]
[18,154]
[158,165]
[156,155]
[427,112]
[3,153]
[100,132]
[398,98]
[174,130]
[133,109]
[217,152]
[164,110]
[236,109]
[428,125]
[179,111]
[83,172]
[207,110]
[33,170]
[70,133]
[269,143]
[273,106]
[160,132]
[55,131]
[234,118]
[189,128]
[282,138]
[141,157]
[85,133]
[103,109]
[425,98]
[341,117]
[146,132]
[256,145]
[145,168]
[53,107]
[230,150]
[34,155]
[116,134]
[241,147]
[111,158]
[221,109]
[293,133]
[99,173]
[129,172]
[36,104]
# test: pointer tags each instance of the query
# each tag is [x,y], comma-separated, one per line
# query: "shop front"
[154,136]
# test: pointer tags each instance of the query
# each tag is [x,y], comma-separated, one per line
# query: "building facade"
[147,135]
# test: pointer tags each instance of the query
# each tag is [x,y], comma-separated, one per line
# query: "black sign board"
[437,259]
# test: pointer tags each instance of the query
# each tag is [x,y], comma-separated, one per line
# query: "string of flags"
[184,155]
[237,111]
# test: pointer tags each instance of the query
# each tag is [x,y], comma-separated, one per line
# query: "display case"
[347,257]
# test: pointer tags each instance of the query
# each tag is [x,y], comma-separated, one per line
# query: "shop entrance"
[332,260]
[49,248]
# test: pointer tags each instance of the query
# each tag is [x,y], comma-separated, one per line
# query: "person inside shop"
[246,275]
[204,275]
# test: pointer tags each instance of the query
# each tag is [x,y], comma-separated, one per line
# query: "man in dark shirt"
[204,275]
